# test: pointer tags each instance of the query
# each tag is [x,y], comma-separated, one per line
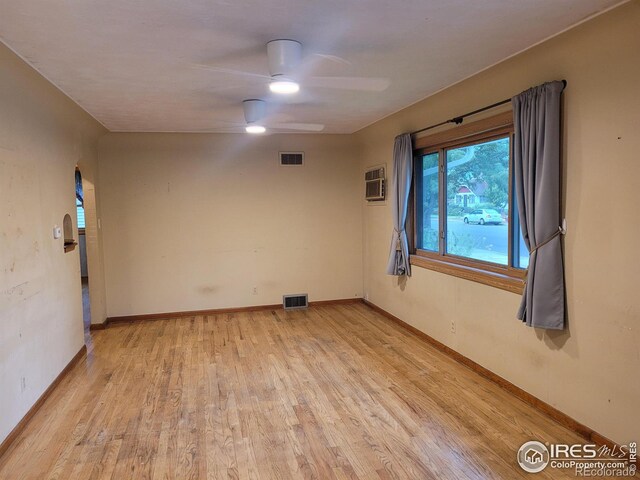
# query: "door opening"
[82,241]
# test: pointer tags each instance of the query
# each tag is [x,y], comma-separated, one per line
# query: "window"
[466,222]
[80,214]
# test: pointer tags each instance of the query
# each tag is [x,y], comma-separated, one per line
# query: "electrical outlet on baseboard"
[453,326]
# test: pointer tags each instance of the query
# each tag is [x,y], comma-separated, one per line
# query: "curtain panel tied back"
[400,186]
[537,170]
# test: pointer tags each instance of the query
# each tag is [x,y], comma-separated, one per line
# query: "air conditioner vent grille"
[375,189]
[291,158]
[291,302]
[374,174]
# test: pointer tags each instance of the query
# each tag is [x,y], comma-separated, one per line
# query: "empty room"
[319,239]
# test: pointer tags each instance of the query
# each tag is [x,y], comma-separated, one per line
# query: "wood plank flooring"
[333,392]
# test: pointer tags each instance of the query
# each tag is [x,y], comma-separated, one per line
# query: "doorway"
[82,243]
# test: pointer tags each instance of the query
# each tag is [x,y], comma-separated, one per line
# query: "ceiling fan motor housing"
[284,57]
[254,110]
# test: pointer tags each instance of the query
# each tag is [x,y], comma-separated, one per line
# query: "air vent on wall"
[290,159]
[374,183]
[291,302]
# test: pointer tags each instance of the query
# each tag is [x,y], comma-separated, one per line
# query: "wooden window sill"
[68,247]
[505,280]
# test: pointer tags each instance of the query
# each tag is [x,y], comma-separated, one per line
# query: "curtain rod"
[459,119]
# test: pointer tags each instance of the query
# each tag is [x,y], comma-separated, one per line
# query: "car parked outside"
[483,216]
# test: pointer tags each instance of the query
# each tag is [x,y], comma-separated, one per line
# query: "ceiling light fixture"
[255,129]
[285,57]
[284,86]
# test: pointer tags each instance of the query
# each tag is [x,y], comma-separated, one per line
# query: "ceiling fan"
[287,68]
[258,119]
[255,114]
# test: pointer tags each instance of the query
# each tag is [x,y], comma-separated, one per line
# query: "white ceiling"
[132,63]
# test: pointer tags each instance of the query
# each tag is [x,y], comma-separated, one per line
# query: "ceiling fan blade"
[332,58]
[221,125]
[231,71]
[307,127]
[363,84]
[218,130]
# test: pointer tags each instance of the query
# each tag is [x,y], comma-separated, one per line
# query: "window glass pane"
[428,225]
[523,260]
[80,214]
[520,254]
[478,201]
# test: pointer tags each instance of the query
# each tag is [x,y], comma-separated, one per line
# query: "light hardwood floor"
[332,392]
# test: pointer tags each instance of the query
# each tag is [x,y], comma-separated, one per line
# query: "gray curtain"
[536,116]
[401,184]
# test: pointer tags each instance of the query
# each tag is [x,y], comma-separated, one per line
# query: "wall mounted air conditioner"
[374,184]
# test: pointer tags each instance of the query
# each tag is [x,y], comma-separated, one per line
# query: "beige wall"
[42,137]
[591,371]
[196,221]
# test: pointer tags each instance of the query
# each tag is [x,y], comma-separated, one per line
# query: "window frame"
[505,277]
